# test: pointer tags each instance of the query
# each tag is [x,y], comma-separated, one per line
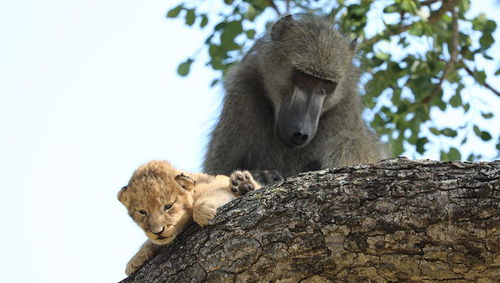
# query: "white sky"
[89,91]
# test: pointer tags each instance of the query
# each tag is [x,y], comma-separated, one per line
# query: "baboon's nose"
[158,231]
[299,138]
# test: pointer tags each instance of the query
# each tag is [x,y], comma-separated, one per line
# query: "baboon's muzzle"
[297,120]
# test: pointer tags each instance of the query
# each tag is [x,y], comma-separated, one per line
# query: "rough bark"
[391,221]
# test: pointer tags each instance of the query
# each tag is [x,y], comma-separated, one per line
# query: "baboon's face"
[310,64]
[301,108]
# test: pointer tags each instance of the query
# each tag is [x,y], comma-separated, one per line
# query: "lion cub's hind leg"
[242,182]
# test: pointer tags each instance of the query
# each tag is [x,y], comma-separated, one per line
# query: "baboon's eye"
[143,212]
[329,86]
[311,83]
[167,206]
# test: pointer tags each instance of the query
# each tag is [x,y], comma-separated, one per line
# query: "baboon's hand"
[266,177]
[241,182]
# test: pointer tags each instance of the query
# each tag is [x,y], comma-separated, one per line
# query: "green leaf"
[417,29]
[420,145]
[449,132]
[435,131]
[251,13]
[190,17]
[183,69]
[443,155]
[484,135]
[382,56]
[479,22]
[456,100]
[486,40]
[464,6]
[174,12]
[215,51]
[214,82]
[454,154]
[476,130]
[397,145]
[466,107]
[391,9]
[217,64]
[204,21]
[440,104]
[490,26]
[231,30]
[250,33]
[487,57]
[487,115]
[471,157]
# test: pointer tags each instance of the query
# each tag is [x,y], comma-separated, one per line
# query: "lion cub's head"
[160,200]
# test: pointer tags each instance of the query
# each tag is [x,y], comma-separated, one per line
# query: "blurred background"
[90,90]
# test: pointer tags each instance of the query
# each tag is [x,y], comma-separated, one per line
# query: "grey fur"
[260,86]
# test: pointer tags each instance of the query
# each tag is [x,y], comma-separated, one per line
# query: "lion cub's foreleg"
[217,193]
[145,253]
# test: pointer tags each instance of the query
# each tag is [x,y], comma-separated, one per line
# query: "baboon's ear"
[123,195]
[280,27]
[185,181]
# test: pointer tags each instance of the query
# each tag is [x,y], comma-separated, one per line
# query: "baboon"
[292,104]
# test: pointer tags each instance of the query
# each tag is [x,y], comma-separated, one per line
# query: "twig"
[428,3]
[434,17]
[485,84]
[453,49]
[273,5]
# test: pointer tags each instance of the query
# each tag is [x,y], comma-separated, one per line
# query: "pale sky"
[88,92]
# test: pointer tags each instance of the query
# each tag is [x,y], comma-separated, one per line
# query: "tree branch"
[429,2]
[396,220]
[398,29]
[453,49]
[485,84]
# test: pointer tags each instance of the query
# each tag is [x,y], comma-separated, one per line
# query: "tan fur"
[163,201]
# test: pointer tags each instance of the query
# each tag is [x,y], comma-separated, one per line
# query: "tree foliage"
[417,57]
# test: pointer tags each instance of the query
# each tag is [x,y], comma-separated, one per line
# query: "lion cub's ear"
[123,195]
[185,181]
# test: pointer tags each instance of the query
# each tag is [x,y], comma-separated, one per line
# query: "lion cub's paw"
[241,182]
[131,268]
[144,254]
[203,213]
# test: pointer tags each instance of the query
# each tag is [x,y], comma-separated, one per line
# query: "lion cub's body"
[163,201]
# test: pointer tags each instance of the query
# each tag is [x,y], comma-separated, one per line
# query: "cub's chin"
[159,240]
[166,238]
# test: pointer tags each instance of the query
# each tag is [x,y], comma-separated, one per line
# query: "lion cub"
[163,201]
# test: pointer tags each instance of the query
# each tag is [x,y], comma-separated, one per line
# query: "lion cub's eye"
[167,206]
[143,212]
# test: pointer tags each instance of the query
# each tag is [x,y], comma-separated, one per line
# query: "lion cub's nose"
[157,230]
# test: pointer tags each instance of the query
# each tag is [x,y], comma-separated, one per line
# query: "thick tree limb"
[391,221]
